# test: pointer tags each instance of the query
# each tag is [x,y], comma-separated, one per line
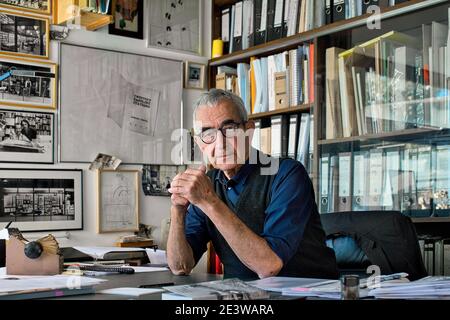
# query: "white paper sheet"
[157,257]
[133,292]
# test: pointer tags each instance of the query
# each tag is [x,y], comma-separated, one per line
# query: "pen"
[9,223]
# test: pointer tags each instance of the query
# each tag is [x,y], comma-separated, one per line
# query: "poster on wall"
[41,200]
[26,136]
[118,103]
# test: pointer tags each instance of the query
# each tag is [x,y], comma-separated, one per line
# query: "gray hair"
[214,97]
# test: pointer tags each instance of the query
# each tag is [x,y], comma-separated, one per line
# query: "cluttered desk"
[41,270]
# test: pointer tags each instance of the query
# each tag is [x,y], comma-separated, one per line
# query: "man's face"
[223,153]
[25,125]
[18,128]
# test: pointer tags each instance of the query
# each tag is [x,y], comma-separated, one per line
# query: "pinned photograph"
[26,136]
[194,75]
[41,200]
[23,34]
[26,83]
[105,161]
[37,6]
[156,179]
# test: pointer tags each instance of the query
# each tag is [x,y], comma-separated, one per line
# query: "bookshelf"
[406,17]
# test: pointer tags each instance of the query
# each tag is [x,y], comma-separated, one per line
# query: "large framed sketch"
[118,200]
[27,83]
[120,104]
[35,6]
[24,35]
[176,25]
[26,136]
[41,200]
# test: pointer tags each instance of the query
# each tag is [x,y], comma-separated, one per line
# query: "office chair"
[387,239]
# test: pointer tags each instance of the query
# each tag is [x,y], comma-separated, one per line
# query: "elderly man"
[260,224]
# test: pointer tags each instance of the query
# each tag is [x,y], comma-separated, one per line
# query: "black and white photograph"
[156,179]
[105,161]
[194,75]
[25,83]
[176,25]
[26,137]
[24,35]
[37,6]
[41,200]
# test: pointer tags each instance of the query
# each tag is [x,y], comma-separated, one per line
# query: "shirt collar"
[239,178]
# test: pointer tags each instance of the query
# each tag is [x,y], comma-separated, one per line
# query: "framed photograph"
[128,18]
[134,100]
[36,6]
[176,25]
[156,179]
[26,83]
[41,200]
[26,136]
[194,75]
[118,200]
[24,35]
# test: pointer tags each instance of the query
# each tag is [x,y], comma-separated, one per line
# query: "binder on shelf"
[260,26]
[292,136]
[328,11]
[324,184]
[225,29]
[281,97]
[284,25]
[376,179]
[237,30]
[276,137]
[360,184]
[256,140]
[333,184]
[274,19]
[338,10]
[345,178]
[266,140]
[247,24]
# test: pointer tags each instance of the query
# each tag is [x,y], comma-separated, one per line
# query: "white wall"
[152,209]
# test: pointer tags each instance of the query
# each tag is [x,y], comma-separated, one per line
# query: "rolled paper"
[217,49]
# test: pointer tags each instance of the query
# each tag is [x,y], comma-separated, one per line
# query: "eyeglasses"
[229,130]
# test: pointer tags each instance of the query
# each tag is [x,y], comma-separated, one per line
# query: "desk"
[137,279]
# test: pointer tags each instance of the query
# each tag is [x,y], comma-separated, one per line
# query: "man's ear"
[250,124]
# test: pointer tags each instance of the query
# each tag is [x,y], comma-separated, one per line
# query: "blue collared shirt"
[292,200]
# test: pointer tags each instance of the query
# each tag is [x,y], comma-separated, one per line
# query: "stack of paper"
[426,288]
[301,287]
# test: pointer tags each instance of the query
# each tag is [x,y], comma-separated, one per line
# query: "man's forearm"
[251,249]
[179,253]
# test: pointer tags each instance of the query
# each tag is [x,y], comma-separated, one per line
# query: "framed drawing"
[128,18]
[41,200]
[176,25]
[24,35]
[36,6]
[26,83]
[194,75]
[118,200]
[26,136]
[156,179]
[134,99]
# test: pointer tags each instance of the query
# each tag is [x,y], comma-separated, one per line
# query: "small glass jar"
[350,287]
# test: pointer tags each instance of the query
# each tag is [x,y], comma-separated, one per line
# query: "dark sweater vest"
[313,258]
